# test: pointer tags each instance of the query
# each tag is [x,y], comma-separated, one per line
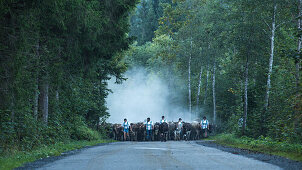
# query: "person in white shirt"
[204,126]
[163,120]
[126,126]
[149,127]
[179,128]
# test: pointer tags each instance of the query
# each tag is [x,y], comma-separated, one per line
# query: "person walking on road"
[126,126]
[178,129]
[163,120]
[204,127]
[149,127]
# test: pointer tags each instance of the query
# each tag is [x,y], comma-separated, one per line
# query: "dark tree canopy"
[55,58]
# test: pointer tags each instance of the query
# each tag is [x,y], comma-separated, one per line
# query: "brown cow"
[172,128]
[163,131]
[133,132]
[196,130]
[156,134]
[118,132]
[187,128]
[141,130]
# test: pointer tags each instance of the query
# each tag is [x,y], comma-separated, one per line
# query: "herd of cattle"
[160,132]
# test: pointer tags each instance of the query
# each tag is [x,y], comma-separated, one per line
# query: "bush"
[85,133]
[80,130]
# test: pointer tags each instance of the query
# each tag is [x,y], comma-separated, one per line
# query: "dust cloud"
[142,95]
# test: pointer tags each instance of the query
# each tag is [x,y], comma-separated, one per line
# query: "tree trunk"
[214,95]
[57,96]
[57,101]
[189,83]
[43,101]
[297,60]
[206,89]
[36,96]
[13,108]
[270,68]
[245,94]
[198,92]
[189,86]
[36,99]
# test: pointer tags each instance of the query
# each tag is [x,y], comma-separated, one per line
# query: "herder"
[178,129]
[149,127]
[204,126]
[126,126]
[163,120]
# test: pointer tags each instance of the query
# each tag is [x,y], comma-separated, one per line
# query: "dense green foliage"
[55,58]
[235,37]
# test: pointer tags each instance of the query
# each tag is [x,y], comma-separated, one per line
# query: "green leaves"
[72,45]
[229,33]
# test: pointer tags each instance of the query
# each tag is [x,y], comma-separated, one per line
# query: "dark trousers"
[149,135]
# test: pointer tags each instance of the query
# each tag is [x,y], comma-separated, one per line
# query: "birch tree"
[214,92]
[206,86]
[198,91]
[189,80]
[273,27]
[271,59]
[245,94]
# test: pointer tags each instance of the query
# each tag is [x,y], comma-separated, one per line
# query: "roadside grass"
[262,145]
[18,158]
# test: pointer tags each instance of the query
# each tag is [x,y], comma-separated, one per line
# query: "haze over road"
[155,155]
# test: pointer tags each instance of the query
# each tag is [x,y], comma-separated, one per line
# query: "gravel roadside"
[272,159]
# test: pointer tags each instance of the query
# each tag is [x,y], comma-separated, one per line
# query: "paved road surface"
[155,155]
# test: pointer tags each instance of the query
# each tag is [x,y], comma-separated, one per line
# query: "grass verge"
[262,145]
[18,158]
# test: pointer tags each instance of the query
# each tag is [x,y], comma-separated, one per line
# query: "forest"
[55,58]
[237,61]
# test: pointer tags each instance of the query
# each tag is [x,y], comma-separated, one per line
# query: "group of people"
[149,127]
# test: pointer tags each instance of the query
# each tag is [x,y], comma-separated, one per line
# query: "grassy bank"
[16,159]
[263,145]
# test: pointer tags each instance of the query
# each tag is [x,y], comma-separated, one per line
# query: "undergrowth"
[262,144]
[18,158]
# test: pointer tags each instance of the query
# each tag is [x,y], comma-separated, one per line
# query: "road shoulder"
[44,161]
[272,159]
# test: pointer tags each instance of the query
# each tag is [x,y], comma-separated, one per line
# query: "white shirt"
[179,125]
[204,124]
[162,121]
[126,125]
[149,125]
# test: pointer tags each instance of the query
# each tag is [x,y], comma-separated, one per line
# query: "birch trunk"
[245,94]
[198,92]
[13,108]
[297,61]
[57,101]
[189,82]
[206,89]
[271,60]
[214,95]
[43,101]
[189,86]
[36,96]
[57,96]
[36,99]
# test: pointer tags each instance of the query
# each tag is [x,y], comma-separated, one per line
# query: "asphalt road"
[155,155]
